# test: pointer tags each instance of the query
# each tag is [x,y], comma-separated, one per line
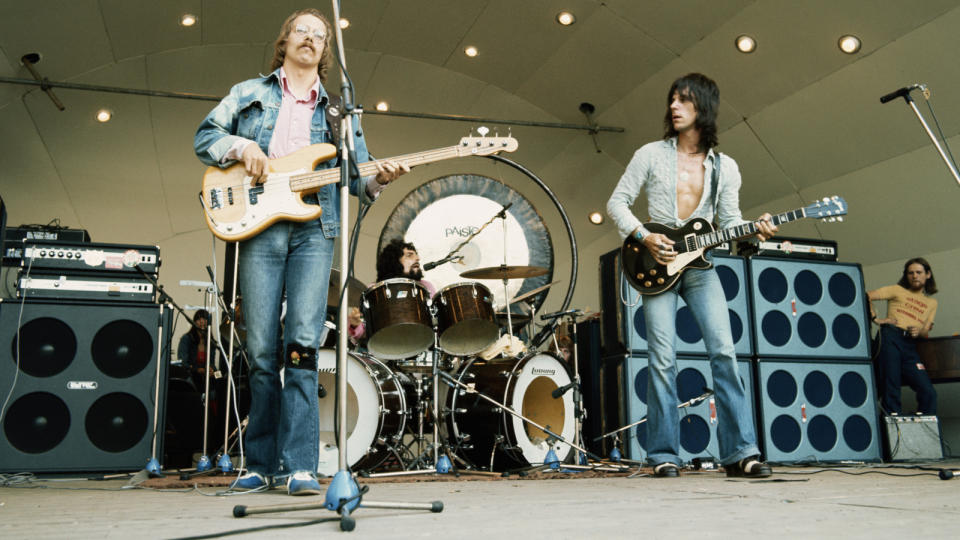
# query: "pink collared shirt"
[291,131]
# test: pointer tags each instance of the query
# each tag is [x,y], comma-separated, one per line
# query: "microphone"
[434,264]
[556,314]
[561,391]
[903,92]
[946,474]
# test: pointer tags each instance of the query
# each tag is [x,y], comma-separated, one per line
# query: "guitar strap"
[333,118]
[715,181]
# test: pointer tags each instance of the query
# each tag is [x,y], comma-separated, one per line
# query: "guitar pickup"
[254,192]
[216,198]
[230,196]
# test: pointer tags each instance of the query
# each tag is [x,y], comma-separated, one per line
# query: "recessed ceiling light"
[344,23]
[849,44]
[383,106]
[566,18]
[471,51]
[104,115]
[188,19]
[746,44]
[596,218]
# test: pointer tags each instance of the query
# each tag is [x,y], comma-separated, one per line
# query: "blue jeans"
[736,435]
[897,363]
[282,436]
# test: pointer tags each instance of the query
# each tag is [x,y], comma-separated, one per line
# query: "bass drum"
[475,425]
[376,412]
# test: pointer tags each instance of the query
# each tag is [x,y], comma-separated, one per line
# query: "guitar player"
[267,118]
[677,175]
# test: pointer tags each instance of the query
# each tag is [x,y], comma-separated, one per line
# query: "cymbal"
[518,319]
[504,272]
[355,288]
[533,292]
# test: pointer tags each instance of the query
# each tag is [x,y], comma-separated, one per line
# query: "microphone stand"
[926,95]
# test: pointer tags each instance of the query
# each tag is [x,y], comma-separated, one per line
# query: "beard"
[415,274]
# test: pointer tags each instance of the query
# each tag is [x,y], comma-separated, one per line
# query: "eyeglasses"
[303,31]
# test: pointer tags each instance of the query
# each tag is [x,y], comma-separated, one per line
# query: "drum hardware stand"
[343,495]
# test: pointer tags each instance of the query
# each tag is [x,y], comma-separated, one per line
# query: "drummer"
[398,259]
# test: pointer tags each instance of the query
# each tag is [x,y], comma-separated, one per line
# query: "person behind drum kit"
[275,115]
[910,313]
[398,259]
[672,173]
[192,349]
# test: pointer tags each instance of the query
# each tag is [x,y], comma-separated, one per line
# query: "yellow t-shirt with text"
[907,307]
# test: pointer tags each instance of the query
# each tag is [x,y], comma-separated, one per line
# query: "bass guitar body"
[238,209]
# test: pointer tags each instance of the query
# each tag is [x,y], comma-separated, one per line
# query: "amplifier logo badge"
[82,385]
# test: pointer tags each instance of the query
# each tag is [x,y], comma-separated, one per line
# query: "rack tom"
[465,318]
[397,315]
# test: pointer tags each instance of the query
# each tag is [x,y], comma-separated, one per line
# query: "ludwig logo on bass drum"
[541,371]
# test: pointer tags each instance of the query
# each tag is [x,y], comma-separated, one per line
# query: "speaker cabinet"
[809,309]
[601,385]
[84,393]
[733,275]
[698,423]
[818,411]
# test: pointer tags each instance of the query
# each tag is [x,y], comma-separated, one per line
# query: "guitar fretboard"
[314,180]
[715,238]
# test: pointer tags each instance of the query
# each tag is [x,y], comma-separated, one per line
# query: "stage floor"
[882,501]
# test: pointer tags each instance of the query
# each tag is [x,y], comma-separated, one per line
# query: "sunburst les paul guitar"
[695,238]
[237,209]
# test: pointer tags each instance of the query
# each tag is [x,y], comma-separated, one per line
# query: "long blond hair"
[280,45]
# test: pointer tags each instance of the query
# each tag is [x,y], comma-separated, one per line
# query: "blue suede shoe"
[303,483]
[251,482]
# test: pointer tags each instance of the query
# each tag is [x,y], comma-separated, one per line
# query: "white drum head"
[363,411]
[541,375]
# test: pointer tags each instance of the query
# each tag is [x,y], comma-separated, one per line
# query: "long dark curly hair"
[388,263]
[706,99]
[930,287]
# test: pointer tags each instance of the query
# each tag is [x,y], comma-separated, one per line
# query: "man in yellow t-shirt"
[910,312]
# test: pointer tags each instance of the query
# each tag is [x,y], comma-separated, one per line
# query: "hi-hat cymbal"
[504,272]
[355,288]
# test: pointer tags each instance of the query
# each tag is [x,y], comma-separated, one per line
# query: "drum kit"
[425,370]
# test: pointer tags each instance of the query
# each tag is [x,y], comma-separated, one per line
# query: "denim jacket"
[250,111]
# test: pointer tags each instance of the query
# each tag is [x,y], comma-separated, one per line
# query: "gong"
[440,214]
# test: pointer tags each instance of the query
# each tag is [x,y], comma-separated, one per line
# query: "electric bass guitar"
[237,209]
[695,238]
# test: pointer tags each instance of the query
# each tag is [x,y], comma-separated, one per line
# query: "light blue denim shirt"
[653,169]
[250,111]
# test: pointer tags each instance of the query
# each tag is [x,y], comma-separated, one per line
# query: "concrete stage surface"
[875,501]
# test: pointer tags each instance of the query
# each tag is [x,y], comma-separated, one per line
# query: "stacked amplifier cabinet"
[816,394]
[86,384]
[13,240]
[88,271]
[624,324]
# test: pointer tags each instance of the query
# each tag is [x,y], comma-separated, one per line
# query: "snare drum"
[496,440]
[376,404]
[465,320]
[421,363]
[398,320]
